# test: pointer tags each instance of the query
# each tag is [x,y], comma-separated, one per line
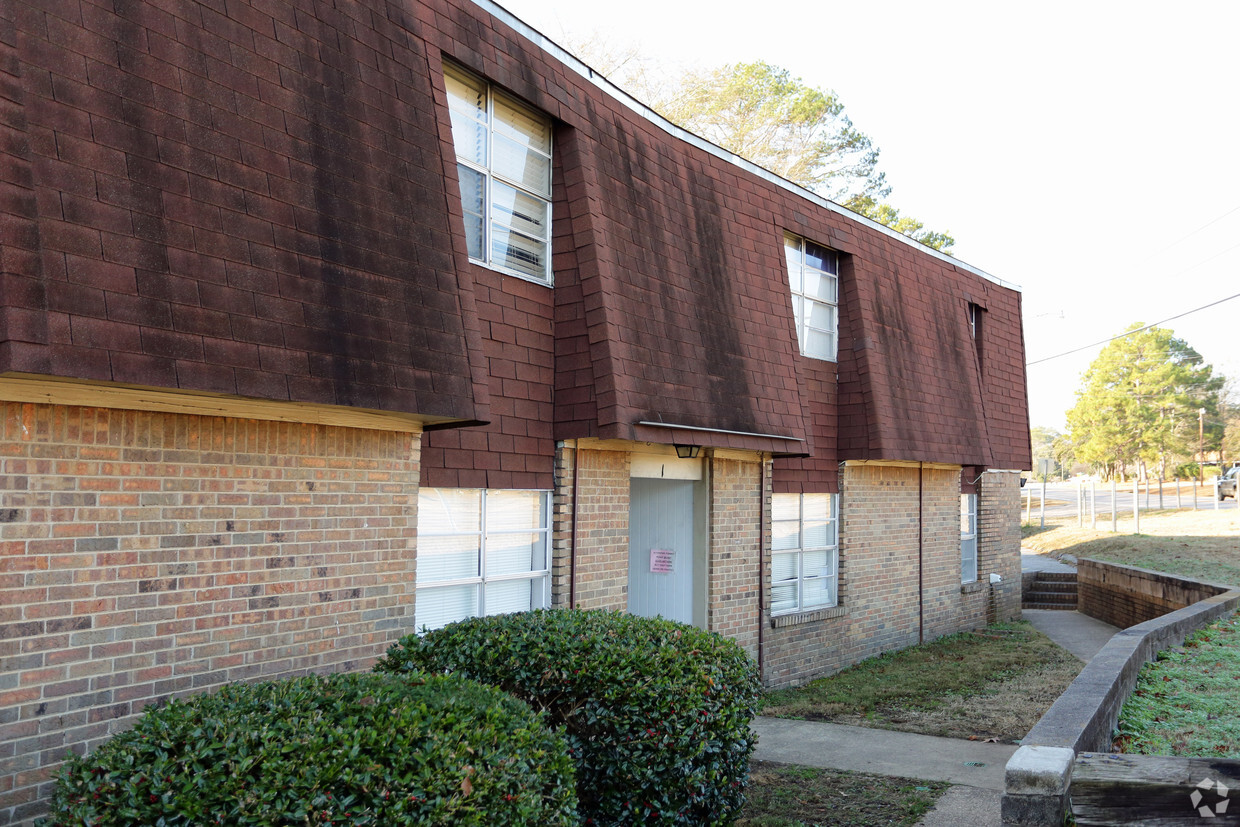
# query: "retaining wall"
[1084,716]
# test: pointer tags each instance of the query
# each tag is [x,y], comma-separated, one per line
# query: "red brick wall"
[147,555]
[515,449]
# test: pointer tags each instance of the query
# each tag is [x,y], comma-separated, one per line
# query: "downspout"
[572,535]
[761,559]
[921,534]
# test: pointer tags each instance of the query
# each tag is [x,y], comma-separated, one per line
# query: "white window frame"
[483,534]
[968,538]
[800,274]
[490,217]
[802,578]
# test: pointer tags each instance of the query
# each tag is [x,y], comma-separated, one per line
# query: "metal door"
[661,548]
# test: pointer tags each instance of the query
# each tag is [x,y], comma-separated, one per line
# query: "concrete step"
[1049,597]
[1057,607]
[1051,590]
[1054,586]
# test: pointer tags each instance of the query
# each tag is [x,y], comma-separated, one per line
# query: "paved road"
[1061,499]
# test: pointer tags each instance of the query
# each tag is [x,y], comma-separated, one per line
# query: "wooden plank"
[1154,790]
[43,390]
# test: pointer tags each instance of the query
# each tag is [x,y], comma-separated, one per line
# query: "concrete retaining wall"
[1085,715]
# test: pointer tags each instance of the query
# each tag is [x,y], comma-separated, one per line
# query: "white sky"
[1078,149]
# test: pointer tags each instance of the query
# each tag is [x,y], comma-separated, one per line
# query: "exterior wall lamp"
[688,451]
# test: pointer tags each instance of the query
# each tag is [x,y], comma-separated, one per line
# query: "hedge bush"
[357,749]
[657,713]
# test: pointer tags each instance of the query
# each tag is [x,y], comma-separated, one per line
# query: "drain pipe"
[761,559]
[572,534]
[921,534]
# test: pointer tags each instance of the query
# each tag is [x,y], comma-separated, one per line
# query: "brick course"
[148,555]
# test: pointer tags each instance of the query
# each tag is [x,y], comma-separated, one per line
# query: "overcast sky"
[1086,151]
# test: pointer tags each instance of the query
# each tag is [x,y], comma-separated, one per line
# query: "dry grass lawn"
[1204,544]
[993,684]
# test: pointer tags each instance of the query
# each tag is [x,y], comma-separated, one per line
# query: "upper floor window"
[804,552]
[503,154]
[813,275]
[968,538]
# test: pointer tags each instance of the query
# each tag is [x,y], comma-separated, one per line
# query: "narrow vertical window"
[813,277]
[503,154]
[976,317]
[804,552]
[481,553]
[968,538]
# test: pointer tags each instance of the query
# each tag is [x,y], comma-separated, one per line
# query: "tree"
[762,113]
[765,115]
[1139,401]
[1045,443]
[905,225]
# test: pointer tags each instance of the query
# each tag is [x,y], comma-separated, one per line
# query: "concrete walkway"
[974,768]
[882,752]
[1029,561]
[1080,634]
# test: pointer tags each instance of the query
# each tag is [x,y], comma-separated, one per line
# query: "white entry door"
[661,548]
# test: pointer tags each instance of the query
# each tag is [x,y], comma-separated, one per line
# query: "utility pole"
[1201,441]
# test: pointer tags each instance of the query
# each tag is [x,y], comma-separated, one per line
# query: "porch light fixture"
[688,451]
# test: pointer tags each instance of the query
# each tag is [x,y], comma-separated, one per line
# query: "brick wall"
[878,591]
[514,449]
[147,555]
[946,609]
[602,531]
[736,493]
[998,542]
[1126,595]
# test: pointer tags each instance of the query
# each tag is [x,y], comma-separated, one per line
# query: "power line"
[1194,232]
[1131,332]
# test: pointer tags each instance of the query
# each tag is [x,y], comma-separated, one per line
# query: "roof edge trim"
[718,431]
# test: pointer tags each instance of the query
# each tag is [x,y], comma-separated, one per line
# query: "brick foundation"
[148,555]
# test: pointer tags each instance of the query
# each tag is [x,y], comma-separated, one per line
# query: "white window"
[481,553]
[968,538]
[804,552]
[813,276]
[503,153]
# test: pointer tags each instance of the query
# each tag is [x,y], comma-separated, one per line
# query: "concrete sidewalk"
[976,768]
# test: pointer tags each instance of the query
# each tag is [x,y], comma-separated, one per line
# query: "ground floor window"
[481,552]
[804,552]
[968,538]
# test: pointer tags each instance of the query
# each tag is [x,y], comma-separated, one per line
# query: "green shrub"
[657,713]
[358,749]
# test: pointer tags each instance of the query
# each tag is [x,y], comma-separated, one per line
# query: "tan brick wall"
[146,555]
[998,544]
[735,515]
[602,529]
[882,516]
